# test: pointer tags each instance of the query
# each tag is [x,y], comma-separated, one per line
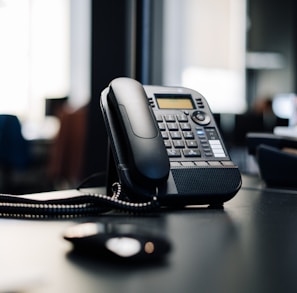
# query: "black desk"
[250,246]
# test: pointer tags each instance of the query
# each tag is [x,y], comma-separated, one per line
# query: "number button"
[159,118]
[188,134]
[175,135]
[192,153]
[192,144]
[185,126]
[178,144]
[182,118]
[164,135]
[173,153]
[172,126]
[169,118]
[167,143]
[162,126]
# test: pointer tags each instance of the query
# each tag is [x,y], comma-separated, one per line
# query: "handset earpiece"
[148,159]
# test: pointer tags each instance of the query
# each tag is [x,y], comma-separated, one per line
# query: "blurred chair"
[14,150]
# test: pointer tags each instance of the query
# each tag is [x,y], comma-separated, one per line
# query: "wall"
[272,28]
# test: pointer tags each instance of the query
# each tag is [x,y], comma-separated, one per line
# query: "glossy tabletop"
[249,246]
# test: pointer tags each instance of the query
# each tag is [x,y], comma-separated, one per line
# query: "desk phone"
[164,143]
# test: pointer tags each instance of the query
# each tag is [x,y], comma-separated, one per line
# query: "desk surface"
[250,246]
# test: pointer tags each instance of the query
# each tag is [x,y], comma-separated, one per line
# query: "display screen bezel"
[174,101]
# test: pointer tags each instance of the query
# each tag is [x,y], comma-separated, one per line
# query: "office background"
[156,42]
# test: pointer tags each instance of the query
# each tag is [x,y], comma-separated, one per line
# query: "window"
[34,55]
[204,49]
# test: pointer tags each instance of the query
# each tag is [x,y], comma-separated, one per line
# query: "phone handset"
[148,160]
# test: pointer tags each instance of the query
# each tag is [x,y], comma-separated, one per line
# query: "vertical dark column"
[295,43]
[149,41]
[108,62]
[143,41]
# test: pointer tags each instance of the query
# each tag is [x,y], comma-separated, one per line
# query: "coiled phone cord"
[85,203]
[115,200]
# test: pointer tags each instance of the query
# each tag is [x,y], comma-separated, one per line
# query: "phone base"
[192,186]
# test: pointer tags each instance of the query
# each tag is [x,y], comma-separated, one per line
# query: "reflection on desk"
[249,246]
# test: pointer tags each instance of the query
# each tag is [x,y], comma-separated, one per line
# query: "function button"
[162,126]
[215,143]
[188,164]
[167,143]
[175,164]
[185,126]
[192,153]
[188,134]
[200,117]
[219,154]
[204,141]
[172,126]
[227,163]
[179,144]
[207,149]
[182,118]
[173,153]
[215,163]
[217,148]
[204,144]
[201,164]
[175,135]
[211,133]
[200,132]
[192,144]
[200,103]
[169,118]
[151,102]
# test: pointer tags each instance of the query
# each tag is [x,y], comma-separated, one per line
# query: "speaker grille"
[206,180]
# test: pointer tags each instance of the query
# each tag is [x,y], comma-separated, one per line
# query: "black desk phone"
[164,143]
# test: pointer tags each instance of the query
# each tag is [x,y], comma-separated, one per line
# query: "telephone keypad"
[179,139]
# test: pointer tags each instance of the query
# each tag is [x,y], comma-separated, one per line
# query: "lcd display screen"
[174,101]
